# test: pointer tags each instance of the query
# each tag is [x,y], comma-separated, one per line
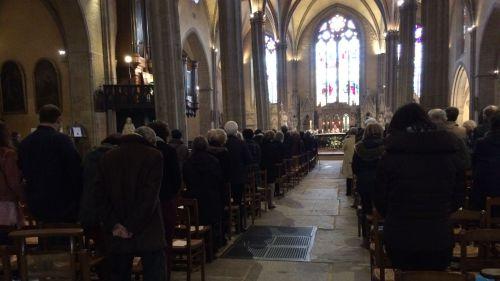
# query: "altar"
[331,142]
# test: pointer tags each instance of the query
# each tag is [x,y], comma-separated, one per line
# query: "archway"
[460,96]
[203,121]
[56,32]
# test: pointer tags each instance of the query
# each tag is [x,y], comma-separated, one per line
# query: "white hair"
[147,133]
[437,115]
[231,128]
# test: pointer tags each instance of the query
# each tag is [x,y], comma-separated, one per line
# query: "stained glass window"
[337,62]
[417,74]
[272,71]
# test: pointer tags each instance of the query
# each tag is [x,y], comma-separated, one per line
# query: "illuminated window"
[417,74]
[272,71]
[337,62]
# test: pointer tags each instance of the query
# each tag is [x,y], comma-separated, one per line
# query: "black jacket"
[89,216]
[240,159]
[222,154]
[129,179]
[272,153]
[52,168]
[367,155]
[204,182]
[420,182]
[171,182]
[486,161]
[255,151]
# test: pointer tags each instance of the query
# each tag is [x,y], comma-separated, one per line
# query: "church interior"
[317,67]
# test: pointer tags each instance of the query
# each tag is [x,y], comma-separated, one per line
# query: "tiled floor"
[318,201]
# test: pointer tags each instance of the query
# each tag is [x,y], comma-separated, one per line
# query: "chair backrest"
[492,204]
[432,276]
[192,205]
[55,259]
[183,224]
[468,219]
[485,239]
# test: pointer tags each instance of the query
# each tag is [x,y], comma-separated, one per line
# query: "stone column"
[391,56]
[232,61]
[259,70]
[282,78]
[408,20]
[215,98]
[170,101]
[436,31]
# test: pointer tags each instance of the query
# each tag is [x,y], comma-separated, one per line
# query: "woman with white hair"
[216,140]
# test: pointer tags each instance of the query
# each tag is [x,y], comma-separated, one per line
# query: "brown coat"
[128,186]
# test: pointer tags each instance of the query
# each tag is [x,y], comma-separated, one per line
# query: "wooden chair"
[466,220]
[188,252]
[198,231]
[492,204]
[280,179]
[233,212]
[432,276]
[251,200]
[487,256]
[47,261]
[263,190]
[289,181]
[380,265]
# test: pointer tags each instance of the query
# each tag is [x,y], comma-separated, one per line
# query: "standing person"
[486,162]
[252,145]
[420,182]
[170,185]
[181,148]
[469,126]
[52,168]
[367,154]
[11,188]
[287,142]
[272,154]
[451,123]
[216,140]
[204,182]
[130,179]
[277,144]
[485,126]
[239,160]
[348,148]
[16,140]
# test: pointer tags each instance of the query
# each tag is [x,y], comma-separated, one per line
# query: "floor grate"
[274,243]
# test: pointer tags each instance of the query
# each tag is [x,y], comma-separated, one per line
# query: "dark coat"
[486,161]
[420,182]
[255,151]
[204,182]
[272,153]
[89,216]
[129,179]
[367,155]
[171,182]
[240,159]
[52,168]
[222,154]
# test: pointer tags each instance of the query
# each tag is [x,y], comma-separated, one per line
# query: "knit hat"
[231,128]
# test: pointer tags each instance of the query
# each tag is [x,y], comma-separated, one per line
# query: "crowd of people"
[124,192]
[413,175]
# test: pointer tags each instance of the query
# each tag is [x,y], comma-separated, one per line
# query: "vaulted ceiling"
[291,17]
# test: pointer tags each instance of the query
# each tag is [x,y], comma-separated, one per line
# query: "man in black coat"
[485,126]
[52,168]
[170,184]
[486,162]
[130,178]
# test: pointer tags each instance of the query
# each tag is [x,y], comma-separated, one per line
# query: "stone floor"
[319,201]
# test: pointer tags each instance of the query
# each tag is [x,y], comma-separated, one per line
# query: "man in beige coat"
[349,143]
[452,126]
